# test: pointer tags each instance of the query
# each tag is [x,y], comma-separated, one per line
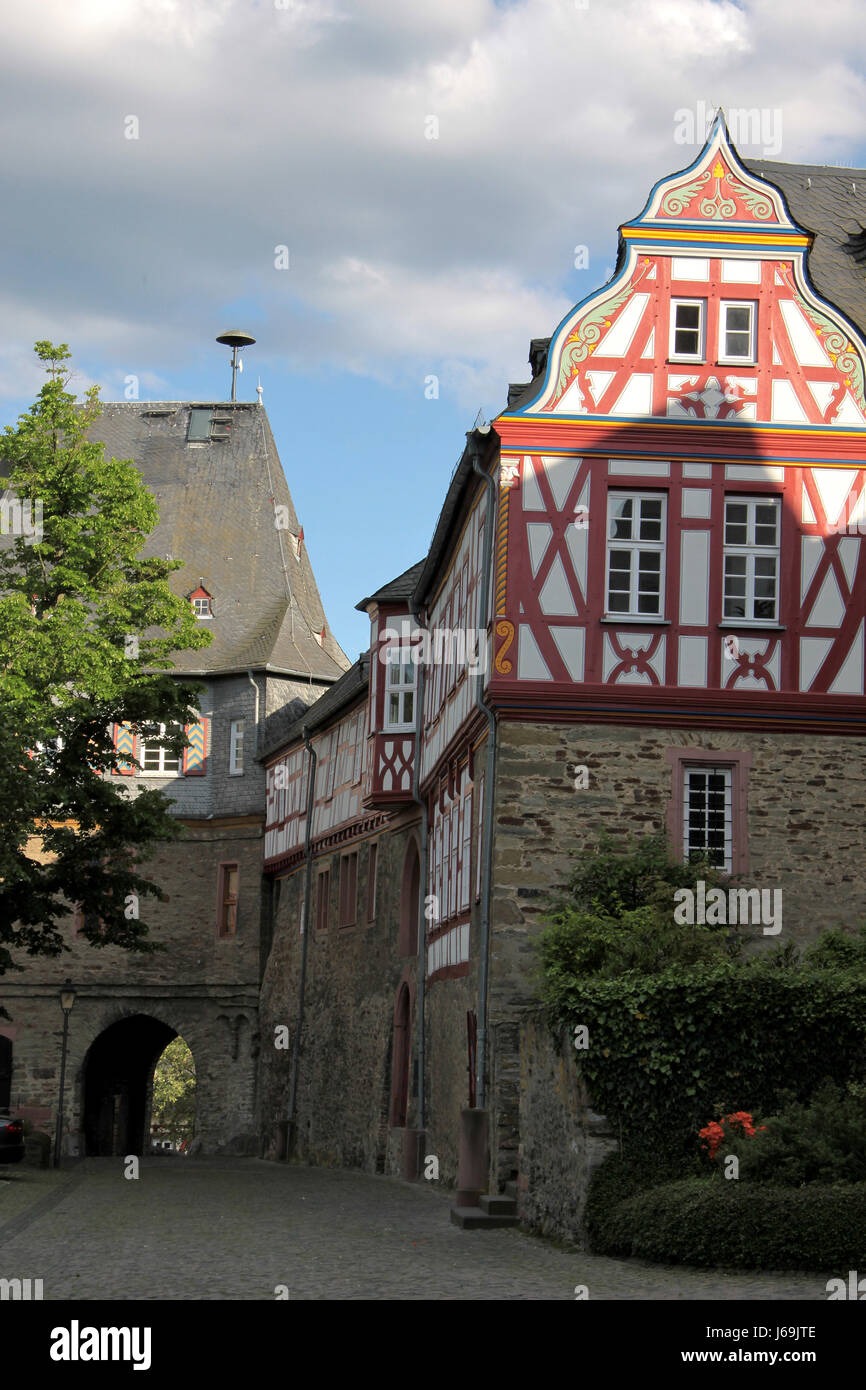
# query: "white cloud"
[304,124]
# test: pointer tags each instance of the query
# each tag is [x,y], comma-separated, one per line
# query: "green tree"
[72,592]
[173,1110]
[616,916]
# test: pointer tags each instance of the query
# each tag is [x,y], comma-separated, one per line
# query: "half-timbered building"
[643,608]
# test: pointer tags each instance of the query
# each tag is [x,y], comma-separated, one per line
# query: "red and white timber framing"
[619,409]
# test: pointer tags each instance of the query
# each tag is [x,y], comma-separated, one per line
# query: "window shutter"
[195,757]
[126,747]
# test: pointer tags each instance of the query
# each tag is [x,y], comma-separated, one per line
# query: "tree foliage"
[173,1110]
[617,915]
[71,593]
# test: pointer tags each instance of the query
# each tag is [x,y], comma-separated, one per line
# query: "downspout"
[252,681]
[487,857]
[422,883]
[308,880]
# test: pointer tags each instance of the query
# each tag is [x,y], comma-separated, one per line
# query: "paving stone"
[235,1228]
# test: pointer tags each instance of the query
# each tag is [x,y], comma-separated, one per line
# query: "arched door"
[409,889]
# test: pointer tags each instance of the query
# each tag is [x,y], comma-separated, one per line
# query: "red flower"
[713,1134]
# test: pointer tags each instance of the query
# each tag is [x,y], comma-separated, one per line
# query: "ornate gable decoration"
[716,252]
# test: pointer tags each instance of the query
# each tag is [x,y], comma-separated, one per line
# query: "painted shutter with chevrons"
[195,756]
[126,747]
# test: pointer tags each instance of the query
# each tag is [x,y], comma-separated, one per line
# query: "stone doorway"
[118,1077]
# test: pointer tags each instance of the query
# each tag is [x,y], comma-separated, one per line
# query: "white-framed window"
[236,748]
[331,773]
[357,764]
[465,853]
[635,554]
[708,815]
[688,325]
[156,760]
[751,578]
[737,331]
[201,608]
[400,683]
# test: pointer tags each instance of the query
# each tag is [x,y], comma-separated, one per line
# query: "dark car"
[11,1138]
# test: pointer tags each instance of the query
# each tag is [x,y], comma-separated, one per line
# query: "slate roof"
[287,725]
[396,590]
[216,502]
[824,199]
[830,202]
[482,442]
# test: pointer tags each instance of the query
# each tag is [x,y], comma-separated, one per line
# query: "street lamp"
[67,999]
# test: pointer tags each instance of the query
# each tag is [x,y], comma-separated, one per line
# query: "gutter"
[308,879]
[422,882]
[490,772]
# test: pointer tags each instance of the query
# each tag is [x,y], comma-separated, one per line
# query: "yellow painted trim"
[665,422]
[692,234]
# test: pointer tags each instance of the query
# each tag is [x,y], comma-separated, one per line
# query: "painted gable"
[712,236]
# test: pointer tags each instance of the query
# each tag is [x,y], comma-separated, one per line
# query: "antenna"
[236,340]
[259,390]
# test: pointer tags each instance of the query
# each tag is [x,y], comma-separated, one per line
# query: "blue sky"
[431,170]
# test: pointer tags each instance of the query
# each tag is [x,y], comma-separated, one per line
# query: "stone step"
[476,1219]
[498,1206]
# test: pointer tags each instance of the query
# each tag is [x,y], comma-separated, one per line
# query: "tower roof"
[226,511]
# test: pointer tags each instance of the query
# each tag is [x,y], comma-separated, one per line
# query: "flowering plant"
[713,1134]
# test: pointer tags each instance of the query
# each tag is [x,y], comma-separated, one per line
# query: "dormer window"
[205,425]
[202,603]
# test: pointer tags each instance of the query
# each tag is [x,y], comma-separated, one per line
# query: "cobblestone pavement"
[236,1228]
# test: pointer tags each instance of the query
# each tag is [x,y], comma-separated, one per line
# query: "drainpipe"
[422,884]
[252,682]
[308,879]
[487,858]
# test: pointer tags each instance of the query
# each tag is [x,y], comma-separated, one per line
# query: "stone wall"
[220,1031]
[203,986]
[806,803]
[562,1141]
[353,976]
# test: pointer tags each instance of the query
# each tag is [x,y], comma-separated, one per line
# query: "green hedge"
[669,1052]
[713,1222]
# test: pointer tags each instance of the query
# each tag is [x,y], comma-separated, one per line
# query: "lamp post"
[67,999]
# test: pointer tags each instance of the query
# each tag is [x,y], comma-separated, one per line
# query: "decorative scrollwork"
[679,198]
[503,629]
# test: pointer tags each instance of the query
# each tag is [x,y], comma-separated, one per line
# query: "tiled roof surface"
[396,590]
[281,731]
[216,503]
[831,202]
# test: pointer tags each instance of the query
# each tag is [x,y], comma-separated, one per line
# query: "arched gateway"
[118,1082]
